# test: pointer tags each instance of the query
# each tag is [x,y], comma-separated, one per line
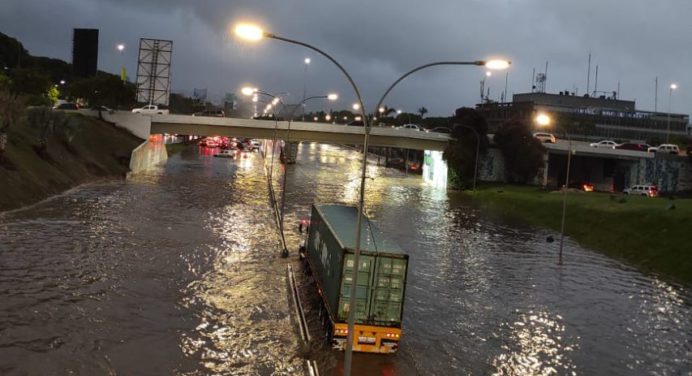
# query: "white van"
[642,190]
[665,148]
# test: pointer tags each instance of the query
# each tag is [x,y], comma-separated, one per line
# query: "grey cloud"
[631,41]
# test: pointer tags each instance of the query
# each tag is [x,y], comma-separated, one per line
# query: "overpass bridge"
[144,125]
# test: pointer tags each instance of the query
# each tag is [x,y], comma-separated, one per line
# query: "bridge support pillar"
[289,152]
[435,169]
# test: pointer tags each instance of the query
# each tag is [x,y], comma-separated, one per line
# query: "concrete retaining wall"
[149,154]
[668,173]
[137,124]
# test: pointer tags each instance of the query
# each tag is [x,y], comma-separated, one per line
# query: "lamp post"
[544,120]
[252,91]
[478,148]
[670,97]
[123,73]
[331,97]
[254,33]
[305,84]
[490,64]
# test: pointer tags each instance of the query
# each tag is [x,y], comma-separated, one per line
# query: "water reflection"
[535,347]
[176,272]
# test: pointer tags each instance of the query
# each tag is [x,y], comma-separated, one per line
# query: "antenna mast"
[588,75]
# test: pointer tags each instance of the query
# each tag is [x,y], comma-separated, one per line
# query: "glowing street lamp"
[670,97]
[255,33]
[356,106]
[249,32]
[544,120]
[120,47]
[248,90]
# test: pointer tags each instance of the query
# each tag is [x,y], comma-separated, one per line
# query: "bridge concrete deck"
[299,131]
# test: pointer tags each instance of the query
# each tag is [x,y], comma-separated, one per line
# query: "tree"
[460,154]
[11,108]
[104,90]
[523,153]
[30,82]
[422,111]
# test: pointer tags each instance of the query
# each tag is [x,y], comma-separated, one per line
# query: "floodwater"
[177,272]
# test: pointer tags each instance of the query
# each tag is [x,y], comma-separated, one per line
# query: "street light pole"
[252,32]
[305,85]
[670,97]
[478,147]
[564,196]
[331,97]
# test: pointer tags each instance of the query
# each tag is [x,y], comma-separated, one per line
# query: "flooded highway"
[177,272]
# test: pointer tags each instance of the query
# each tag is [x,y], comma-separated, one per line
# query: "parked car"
[633,146]
[150,109]
[545,137]
[255,144]
[211,113]
[412,127]
[604,144]
[103,109]
[649,190]
[67,106]
[665,148]
[441,130]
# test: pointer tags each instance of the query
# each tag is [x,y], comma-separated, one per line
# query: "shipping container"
[381,284]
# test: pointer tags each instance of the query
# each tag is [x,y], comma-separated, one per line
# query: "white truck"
[150,109]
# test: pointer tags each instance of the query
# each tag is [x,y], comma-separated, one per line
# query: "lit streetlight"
[356,106]
[670,98]
[254,33]
[123,72]
[544,120]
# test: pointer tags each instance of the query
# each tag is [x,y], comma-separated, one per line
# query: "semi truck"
[381,283]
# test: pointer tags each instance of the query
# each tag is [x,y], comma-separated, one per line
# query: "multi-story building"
[586,117]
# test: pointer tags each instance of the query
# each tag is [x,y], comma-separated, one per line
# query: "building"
[589,118]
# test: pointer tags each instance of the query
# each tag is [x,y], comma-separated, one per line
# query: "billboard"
[85,52]
[154,71]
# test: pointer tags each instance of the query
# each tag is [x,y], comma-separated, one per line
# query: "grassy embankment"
[78,150]
[644,232]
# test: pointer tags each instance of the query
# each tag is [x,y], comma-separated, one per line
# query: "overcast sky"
[631,41]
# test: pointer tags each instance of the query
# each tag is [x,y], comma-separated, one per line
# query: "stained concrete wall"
[137,124]
[668,173]
[149,154]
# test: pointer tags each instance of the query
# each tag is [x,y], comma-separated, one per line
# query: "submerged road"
[176,272]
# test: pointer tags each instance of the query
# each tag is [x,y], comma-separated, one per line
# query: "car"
[357,123]
[211,113]
[67,106]
[633,146]
[665,148]
[604,144]
[441,130]
[545,137]
[150,109]
[412,127]
[225,154]
[255,144]
[649,190]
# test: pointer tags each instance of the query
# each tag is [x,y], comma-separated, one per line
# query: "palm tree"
[422,111]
